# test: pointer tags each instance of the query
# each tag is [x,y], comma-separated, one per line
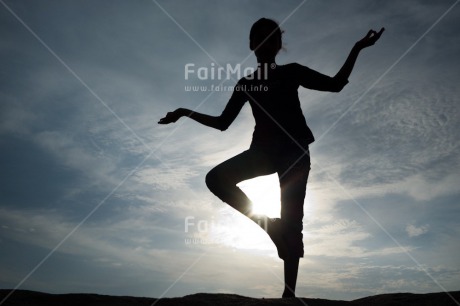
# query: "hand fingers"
[369,34]
[165,120]
[372,32]
[169,118]
[375,35]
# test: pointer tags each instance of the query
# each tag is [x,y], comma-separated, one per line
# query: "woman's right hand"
[172,117]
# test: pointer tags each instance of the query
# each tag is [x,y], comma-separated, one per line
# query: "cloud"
[164,178]
[345,239]
[400,139]
[414,231]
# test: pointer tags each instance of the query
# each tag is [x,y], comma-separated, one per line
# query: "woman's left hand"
[370,39]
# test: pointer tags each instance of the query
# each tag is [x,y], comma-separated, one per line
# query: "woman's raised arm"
[368,40]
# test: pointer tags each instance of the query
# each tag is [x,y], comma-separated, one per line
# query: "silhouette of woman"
[280,140]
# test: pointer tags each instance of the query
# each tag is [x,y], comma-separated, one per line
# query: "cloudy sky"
[95,196]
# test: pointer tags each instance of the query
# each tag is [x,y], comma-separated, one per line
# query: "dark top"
[275,102]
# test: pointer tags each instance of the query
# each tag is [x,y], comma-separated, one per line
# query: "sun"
[264,192]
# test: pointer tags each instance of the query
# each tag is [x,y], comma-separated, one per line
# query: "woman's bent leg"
[222,179]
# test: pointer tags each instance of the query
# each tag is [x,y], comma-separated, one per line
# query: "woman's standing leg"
[293,176]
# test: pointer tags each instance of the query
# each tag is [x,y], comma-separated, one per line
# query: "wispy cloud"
[414,231]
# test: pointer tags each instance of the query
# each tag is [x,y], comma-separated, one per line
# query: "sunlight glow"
[264,192]
[236,231]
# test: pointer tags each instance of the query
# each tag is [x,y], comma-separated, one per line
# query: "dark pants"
[292,164]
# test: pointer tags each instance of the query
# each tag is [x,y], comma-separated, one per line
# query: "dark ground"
[32,298]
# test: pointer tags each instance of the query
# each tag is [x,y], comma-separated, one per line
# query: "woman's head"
[265,38]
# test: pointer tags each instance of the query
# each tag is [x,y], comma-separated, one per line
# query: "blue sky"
[97,197]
